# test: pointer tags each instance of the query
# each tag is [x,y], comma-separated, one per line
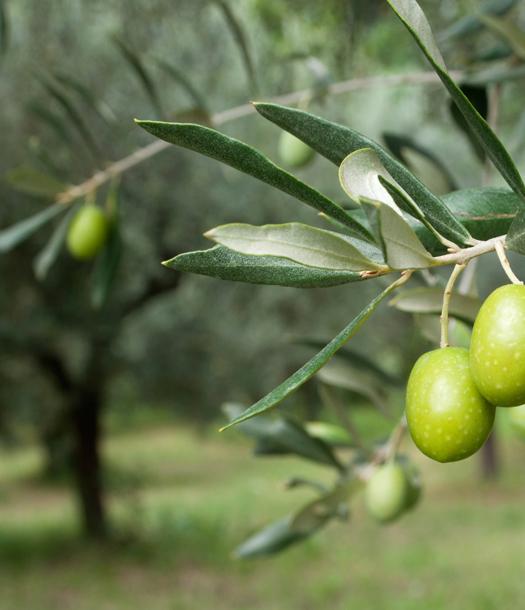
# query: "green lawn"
[190,499]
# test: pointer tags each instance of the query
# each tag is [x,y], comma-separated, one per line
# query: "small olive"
[497,351]
[387,492]
[447,417]
[87,232]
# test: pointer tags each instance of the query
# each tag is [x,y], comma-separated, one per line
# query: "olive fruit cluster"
[452,392]
[393,489]
[87,232]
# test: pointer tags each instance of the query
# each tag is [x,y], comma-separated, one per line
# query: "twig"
[446,302]
[226,116]
[505,263]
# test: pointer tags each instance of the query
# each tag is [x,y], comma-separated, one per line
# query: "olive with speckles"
[497,350]
[448,418]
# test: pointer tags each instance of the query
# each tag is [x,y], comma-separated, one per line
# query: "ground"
[183,500]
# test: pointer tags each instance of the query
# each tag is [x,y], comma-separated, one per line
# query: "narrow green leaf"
[272,539]
[34,182]
[485,212]
[359,175]
[430,301]
[283,436]
[358,361]
[311,367]
[336,142]
[51,251]
[515,239]
[15,234]
[250,161]
[332,434]
[226,264]
[143,76]
[401,246]
[298,242]
[241,40]
[411,15]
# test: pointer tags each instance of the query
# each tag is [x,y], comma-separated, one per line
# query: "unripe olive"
[447,417]
[517,419]
[497,351]
[294,152]
[387,492]
[87,232]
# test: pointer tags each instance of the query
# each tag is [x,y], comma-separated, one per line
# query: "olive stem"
[447,295]
[505,263]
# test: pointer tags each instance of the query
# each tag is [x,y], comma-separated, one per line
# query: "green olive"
[447,417]
[517,419]
[87,232]
[497,351]
[387,492]
[294,152]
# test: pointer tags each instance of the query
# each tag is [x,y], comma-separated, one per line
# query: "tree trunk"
[489,458]
[85,413]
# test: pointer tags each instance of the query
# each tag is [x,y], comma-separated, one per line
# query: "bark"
[86,408]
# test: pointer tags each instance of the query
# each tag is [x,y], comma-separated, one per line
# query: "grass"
[188,500]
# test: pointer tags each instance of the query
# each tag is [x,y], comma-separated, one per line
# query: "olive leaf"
[51,251]
[310,368]
[335,142]
[279,435]
[226,264]
[298,242]
[402,248]
[17,233]
[272,539]
[411,15]
[250,161]
[359,175]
